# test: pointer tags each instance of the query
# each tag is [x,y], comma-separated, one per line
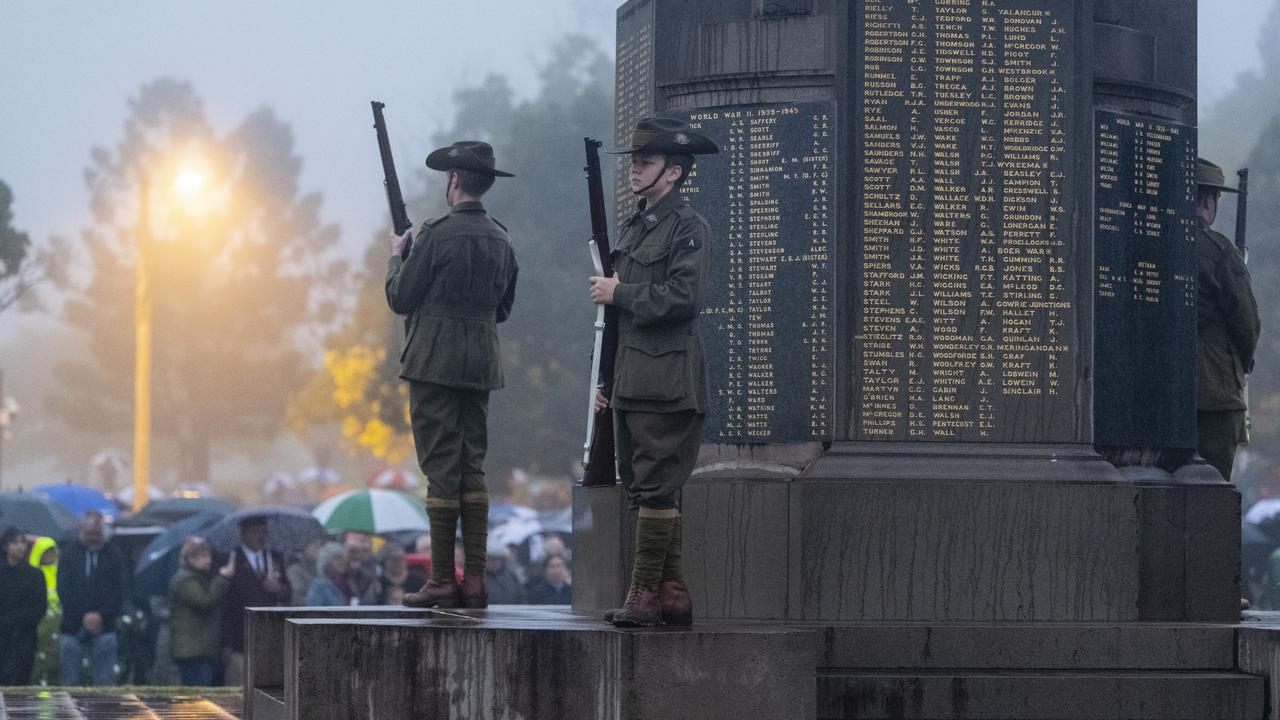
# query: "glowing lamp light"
[189,183]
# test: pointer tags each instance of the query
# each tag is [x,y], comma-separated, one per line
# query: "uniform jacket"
[101,592]
[247,591]
[195,613]
[458,282]
[662,262]
[1227,324]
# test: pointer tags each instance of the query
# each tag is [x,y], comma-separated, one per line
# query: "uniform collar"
[468,206]
[654,215]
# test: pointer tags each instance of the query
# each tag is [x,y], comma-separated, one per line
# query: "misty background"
[278,94]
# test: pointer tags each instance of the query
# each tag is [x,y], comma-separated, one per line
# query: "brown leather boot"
[677,606]
[436,593]
[674,599]
[473,593]
[641,609]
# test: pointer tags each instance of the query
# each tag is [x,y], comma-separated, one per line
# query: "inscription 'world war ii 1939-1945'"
[767,326]
[1145,241]
[964,285]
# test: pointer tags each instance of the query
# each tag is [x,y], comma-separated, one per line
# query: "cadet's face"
[645,169]
[1208,208]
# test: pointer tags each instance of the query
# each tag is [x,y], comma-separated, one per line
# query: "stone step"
[267,703]
[519,664]
[1062,695]
[1043,646]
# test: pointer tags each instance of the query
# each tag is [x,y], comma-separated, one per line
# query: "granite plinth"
[880,533]
[537,662]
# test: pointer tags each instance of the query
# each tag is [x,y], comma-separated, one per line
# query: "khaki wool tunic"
[662,263]
[1227,324]
[457,284]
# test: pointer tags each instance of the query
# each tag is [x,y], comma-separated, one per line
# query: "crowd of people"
[62,609]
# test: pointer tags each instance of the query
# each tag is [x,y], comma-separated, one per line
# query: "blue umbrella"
[79,499]
[159,560]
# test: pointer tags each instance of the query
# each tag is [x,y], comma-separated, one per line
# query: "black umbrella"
[159,561]
[288,528]
[37,515]
[171,510]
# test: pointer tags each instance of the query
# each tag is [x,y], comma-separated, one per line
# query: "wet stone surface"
[91,704]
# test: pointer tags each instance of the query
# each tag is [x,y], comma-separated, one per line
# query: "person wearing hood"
[44,557]
[22,604]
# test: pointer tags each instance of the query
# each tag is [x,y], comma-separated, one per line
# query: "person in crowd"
[22,605]
[195,611]
[1227,329]
[395,575]
[91,580]
[659,385]
[554,586]
[362,570]
[554,545]
[302,571]
[331,585]
[44,557]
[501,580]
[455,284]
[259,581]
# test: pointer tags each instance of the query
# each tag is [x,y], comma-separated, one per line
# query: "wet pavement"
[139,704]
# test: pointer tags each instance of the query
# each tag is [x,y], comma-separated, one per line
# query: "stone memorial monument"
[951,326]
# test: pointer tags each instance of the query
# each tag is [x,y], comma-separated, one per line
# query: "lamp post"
[142,351]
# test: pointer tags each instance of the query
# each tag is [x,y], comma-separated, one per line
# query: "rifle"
[399,216]
[1242,211]
[599,465]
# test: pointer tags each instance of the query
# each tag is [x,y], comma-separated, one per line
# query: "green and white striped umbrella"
[371,511]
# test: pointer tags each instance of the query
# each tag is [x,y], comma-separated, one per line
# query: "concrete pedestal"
[531,662]
[938,533]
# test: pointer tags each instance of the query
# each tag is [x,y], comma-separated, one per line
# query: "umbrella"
[371,511]
[393,479]
[36,514]
[514,532]
[125,496]
[159,560]
[288,529]
[320,476]
[171,510]
[501,512]
[79,499]
[1263,512]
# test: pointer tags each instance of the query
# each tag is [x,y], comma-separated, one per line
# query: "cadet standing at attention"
[660,381]
[1227,328]
[458,282]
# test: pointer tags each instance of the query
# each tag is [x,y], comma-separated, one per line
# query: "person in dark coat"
[91,581]
[23,602]
[501,580]
[553,587]
[659,385]
[456,284]
[1227,329]
[258,581]
[195,611]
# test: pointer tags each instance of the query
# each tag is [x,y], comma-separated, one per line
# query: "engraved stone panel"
[964,283]
[767,326]
[1145,241]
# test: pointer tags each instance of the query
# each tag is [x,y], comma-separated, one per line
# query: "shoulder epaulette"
[499,224]
[434,221]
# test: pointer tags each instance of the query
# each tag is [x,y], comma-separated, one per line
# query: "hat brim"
[665,144]
[1216,186]
[441,159]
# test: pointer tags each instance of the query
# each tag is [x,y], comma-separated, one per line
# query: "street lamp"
[188,184]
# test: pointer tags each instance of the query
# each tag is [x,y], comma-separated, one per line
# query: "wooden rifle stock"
[599,465]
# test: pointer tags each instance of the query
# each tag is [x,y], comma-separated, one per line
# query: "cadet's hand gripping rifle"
[599,467]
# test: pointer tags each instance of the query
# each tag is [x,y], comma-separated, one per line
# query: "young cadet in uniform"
[660,381]
[1227,328]
[458,282]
